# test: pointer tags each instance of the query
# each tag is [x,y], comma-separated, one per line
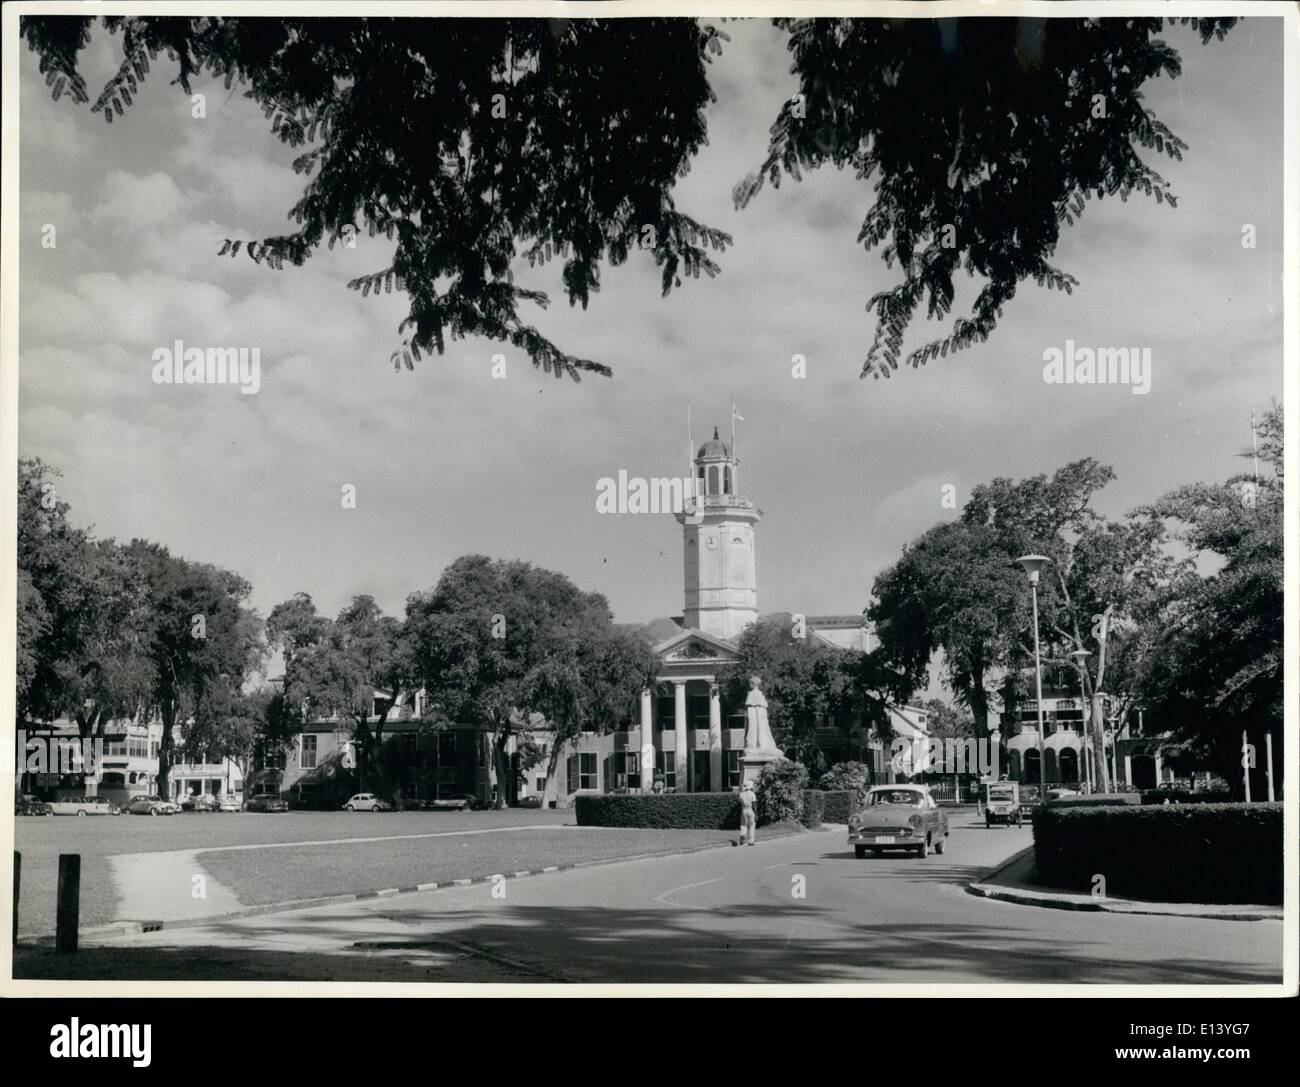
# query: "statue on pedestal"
[758,735]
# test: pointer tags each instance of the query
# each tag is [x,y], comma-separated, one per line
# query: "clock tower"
[721,581]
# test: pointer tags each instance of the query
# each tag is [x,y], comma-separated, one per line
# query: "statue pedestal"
[753,763]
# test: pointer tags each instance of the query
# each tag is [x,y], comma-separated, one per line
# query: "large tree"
[82,639]
[334,667]
[1217,664]
[808,685]
[954,589]
[474,144]
[506,646]
[203,640]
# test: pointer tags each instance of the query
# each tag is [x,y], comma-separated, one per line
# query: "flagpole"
[734,457]
[690,451]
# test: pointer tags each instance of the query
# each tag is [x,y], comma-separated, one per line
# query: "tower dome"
[714,449]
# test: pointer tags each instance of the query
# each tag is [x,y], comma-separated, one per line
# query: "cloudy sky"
[447,460]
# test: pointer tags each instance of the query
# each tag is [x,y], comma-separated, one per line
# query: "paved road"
[795,910]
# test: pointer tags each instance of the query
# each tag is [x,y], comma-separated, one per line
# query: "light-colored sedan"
[366,802]
[152,805]
[229,802]
[898,817]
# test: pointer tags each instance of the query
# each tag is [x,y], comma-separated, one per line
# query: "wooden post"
[18,882]
[69,904]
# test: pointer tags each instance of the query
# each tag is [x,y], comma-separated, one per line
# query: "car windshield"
[1001,794]
[910,797]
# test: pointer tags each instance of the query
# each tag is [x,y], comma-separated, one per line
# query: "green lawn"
[260,876]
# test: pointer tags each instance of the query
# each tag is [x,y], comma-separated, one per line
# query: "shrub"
[814,808]
[852,776]
[837,806]
[1173,853]
[677,811]
[780,792]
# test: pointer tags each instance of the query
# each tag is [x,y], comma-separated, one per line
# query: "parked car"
[1002,803]
[1060,793]
[199,802]
[898,817]
[268,802]
[229,802]
[366,802]
[85,805]
[152,805]
[452,802]
[31,805]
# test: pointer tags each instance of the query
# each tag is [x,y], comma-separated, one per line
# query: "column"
[1159,774]
[1128,768]
[680,756]
[647,740]
[715,739]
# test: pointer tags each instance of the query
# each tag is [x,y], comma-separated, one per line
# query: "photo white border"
[10,272]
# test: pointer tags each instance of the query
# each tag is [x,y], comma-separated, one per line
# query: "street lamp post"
[1032,565]
[1090,770]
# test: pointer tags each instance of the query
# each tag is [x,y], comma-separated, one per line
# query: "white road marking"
[663,898]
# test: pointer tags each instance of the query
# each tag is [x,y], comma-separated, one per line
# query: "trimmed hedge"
[1094,800]
[674,811]
[839,804]
[1164,853]
[1187,796]
[814,808]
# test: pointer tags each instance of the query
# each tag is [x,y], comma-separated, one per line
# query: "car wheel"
[923,850]
[351,807]
[153,811]
[80,814]
[859,851]
[941,846]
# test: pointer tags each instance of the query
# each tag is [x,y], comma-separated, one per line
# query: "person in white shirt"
[748,814]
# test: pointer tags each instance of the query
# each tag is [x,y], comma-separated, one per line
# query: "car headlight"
[915,821]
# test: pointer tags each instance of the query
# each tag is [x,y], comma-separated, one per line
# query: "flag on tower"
[735,412]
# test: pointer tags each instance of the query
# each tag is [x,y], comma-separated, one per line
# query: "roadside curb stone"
[1016,889]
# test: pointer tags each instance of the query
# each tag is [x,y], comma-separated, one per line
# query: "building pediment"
[696,645]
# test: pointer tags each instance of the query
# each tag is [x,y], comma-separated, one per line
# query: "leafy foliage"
[470,143]
[981,139]
[506,646]
[851,776]
[465,142]
[808,684]
[780,791]
[1216,665]
[334,667]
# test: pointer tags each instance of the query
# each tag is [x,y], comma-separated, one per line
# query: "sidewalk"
[1013,881]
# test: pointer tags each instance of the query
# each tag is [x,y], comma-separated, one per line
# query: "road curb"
[87,936]
[983,887]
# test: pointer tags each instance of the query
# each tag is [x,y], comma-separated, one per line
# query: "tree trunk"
[499,763]
[1097,740]
[165,754]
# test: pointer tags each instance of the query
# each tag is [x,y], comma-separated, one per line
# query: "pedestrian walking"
[748,814]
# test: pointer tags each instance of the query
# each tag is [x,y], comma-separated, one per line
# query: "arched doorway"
[1069,766]
[1053,771]
[1013,765]
[1031,775]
